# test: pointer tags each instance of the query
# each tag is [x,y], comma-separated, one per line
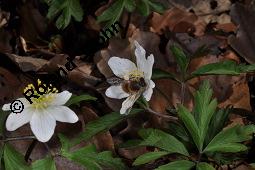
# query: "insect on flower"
[42,113]
[133,80]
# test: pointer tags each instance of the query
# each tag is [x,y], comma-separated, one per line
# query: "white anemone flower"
[136,78]
[42,114]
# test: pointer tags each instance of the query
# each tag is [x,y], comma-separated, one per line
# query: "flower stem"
[30,149]
[17,138]
[170,118]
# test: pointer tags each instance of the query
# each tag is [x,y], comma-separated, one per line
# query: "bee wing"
[129,102]
[114,81]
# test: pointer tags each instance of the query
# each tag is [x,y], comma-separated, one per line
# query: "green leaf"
[44,164]
[217,123]
[204,166]
[158,7]
[179,131]
[113,13]
[76,99]
[69,8]
[102,124]
[143,7]
[190,123]
[225,67]
[160,74]
[150,156]
[90,159]
[204,110]
[177,165]
[130,5]
[13,160]
[130,144]
[181,59]
[162,140]
[229,139]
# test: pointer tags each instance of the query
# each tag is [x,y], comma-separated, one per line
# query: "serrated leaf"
[69,8]
[113,13]
[143,7]
[204,166]
[76,99]
[156,6]
[90,159]
[162,140]
[150,156]
[102,124]
[190,123]
[204,110]
[44,164]
[181,59]
[177,165]
[229,139]
[14,160]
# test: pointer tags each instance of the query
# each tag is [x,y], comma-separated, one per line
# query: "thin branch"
[17,138]
[170,118]
[30,149]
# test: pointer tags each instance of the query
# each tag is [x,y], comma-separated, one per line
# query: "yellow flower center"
[135,75]
[44,99]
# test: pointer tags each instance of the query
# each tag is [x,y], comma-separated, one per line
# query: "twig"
[170,118]
[124,34]
[17,138]
[182,92]
[30,149]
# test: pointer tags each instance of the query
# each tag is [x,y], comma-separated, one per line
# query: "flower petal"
[43,125]
[14,121]
[121,66]
[143,64]
[128,103]
[61,98]
[25,102]
[116,92]
[63,114]
[148,93]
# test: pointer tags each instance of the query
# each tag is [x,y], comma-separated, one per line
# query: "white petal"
[61,98]
[63,114]
[43,125]
[116,92]
[128,103]
[148,93]
[14,121]
[150,62]
[25,102]
[143,64]
[121,66]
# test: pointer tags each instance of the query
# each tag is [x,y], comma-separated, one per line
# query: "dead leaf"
[244,41]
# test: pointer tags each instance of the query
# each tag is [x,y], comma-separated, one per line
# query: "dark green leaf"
[229,139]
[162,140]
[69,8]
[13,160]
[177,165]
[90,159]
[181,59]
[143,7]
[204,110]
[190,123]
[217,123]
[150,156]
[44,164]
[130,5]
[3,116]
[179,131]
[102,124]
[76,99]
[130,144]
[204,166]
[156,6]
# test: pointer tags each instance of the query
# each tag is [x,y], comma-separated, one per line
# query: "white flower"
[42,114]
[136,78]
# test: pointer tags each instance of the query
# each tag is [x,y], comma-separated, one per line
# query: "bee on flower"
[133,79]
[42,113]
